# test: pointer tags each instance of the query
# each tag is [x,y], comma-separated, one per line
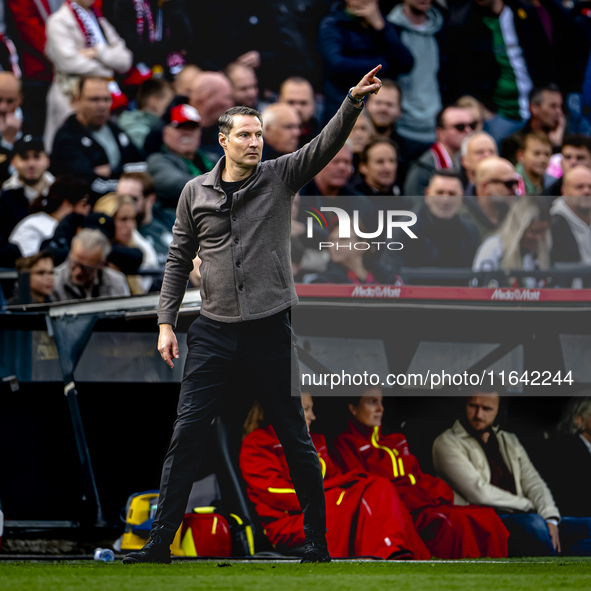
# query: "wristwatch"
[357,102]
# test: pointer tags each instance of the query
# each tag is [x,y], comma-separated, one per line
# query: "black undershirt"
[229,188]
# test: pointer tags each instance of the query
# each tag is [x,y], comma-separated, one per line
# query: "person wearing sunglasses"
[496,184]
[453,125]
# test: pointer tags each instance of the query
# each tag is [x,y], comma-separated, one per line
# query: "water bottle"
[104,555]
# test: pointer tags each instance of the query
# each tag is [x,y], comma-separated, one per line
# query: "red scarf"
[369,280]
[143,11]
[81,15]
[442,158]
[12,55]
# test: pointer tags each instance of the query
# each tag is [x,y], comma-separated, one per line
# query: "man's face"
[84,264]
[338,171]
[444,197]
[536,156]
[135,190]
[419,5]
[549,111]
[41,277]
[479,148]
[283,132]
[214,102]
[183,140]
[576,188]
[481,411]
[31,166]
[94,103]
[572,156]
[300,96]
[245,86]
[361,134]
[457,124]
[308,405]
[381,167]
[244,143]
[500,181]
[10,95]
[384,108]
[370,410]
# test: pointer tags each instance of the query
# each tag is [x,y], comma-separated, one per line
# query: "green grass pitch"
[523,575]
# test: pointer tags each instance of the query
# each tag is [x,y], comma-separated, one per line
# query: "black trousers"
[265,351]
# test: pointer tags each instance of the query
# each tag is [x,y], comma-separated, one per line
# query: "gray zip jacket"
[246,264]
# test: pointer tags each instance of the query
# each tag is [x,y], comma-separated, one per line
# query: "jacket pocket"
[259,206]
[280,272]
[203,271]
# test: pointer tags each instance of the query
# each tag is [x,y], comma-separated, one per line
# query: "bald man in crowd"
[245,85]
[571,219]
[495,187]
[475,148]
[11,119]
[298,93]
[281,131]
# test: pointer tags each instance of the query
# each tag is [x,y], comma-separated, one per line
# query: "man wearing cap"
[238,217]
[174,166]
[29,180]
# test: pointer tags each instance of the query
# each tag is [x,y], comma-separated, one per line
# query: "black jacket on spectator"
[473,68]
[177,31]
[76,152]
[14,206]
[349,50]
[564,245]
[440,243]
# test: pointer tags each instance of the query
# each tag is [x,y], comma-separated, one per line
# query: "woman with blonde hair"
[523,241]
[122,209]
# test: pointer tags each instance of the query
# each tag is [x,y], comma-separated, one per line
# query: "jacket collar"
[460,431]
[214,177]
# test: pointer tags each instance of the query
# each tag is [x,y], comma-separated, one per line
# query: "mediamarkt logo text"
[345,228]
[516,295]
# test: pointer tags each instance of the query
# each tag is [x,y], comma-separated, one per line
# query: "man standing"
[475,148]
[488,466]
[239,218]
[282,130]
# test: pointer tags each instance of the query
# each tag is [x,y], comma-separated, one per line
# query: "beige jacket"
[460,460]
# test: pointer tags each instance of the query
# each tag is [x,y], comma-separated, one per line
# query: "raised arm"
[296,169]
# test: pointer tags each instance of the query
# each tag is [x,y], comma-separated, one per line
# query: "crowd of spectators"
[482,128]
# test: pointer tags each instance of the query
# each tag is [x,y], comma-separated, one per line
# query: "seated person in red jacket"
[449,531]
[364,514]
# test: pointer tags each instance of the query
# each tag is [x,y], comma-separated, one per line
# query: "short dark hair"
[447,173]
[364,156]
[148,186]
[151,87]
[439,117]
[536,96]
[84,79]
[577,140]
[65,188]
[226,121]
[26,263]
[535,135]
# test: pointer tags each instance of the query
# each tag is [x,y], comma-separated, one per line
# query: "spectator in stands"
[488,59]
[448,530]
[569,472]
[184,81]
[444,238]
[364,514]
[29,17]
[383,109]
[173,167]
[571,219]
[245,85]
[159,34]
[350,40]
[29,181]
[420,26]
[11,119]
[363,132]
[152,98]
[486,465]
[453,125]
[281,131]
[80,42]
[65,196]
[348,264]
[475,108]
[495,189]
[545,106]
[534,157]
[575,151]
[88,144]
[85,275]
[299,94]
[476,147]
[41,279]
[523,241]
[211,94]
[150,221]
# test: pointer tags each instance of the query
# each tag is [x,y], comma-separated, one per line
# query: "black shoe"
[156,550]
[315,549]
